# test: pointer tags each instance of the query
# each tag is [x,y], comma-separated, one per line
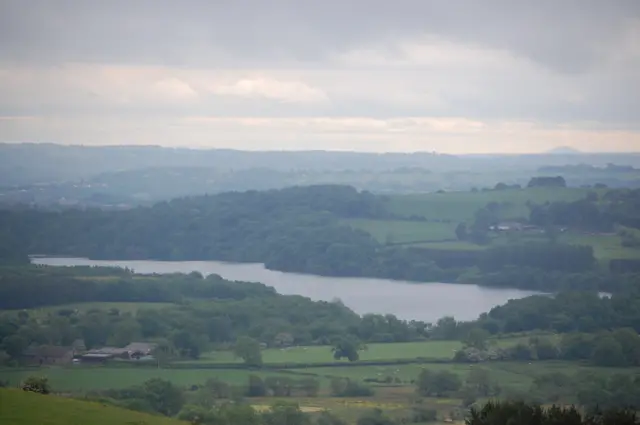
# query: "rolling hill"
[24,408]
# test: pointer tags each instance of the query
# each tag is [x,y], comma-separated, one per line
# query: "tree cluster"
[565,312]
[517,412]
[545,181]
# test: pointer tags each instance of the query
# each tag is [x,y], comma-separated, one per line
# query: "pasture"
[512,375]
[432,350]
[443,212]
[437,350]
[79,378]
[399,231]
[461,206]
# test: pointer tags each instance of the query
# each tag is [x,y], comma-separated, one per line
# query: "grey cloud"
[557,61]
[566,36]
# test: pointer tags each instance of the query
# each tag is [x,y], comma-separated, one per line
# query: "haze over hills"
[44,163]
[44,174]
[565,150]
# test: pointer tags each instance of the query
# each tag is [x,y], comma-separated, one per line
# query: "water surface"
[419,301]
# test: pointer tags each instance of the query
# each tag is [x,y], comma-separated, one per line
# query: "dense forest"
[299,230]
[566,312]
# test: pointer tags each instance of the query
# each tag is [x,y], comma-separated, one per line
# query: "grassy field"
[516,375]
[436,350]
[461,206]
[22,408]
[450,245]
[79,378]
[605,247]
[323,354]
[443,211]
[398,231]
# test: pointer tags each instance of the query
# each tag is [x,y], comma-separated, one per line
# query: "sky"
[459,76]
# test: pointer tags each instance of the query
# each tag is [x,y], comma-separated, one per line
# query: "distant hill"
[24,408]
[564,150]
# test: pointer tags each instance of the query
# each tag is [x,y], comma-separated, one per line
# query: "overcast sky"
[368,75]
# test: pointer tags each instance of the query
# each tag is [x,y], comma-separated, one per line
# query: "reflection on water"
[425,301]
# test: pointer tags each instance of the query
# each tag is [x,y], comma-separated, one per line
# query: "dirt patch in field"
[306,409]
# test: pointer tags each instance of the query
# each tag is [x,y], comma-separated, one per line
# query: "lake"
[419,301]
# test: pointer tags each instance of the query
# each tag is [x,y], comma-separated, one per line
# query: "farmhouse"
[48,355]
[138,349]
[135,350]
[104,353]
[507,226]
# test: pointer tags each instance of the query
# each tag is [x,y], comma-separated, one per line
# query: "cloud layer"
[462,76]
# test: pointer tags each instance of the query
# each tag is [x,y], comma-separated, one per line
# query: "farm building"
[507,226]
[105,353]
[135,350]
[48,355]
[138,349]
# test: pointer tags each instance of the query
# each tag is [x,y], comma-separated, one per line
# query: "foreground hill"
[24,408]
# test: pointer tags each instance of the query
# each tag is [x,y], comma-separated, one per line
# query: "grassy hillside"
[22,408]
[461,206]
[434,217]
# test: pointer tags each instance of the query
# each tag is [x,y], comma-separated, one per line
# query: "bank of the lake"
[407,300]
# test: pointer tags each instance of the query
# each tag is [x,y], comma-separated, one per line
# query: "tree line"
[618,348]
[592,213]
[565,312]
[36,286]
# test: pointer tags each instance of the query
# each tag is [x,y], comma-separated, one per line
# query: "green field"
[398,231]
[605,247]
[518,375]
[443,212]
[450,245]
[433,350]
[461,206]
[323,354]
[80,378]
[23,408]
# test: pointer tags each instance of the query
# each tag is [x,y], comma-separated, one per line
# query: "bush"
[422,414]
[36,384]
[438,384]
[341,387]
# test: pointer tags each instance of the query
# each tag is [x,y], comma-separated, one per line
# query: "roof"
[141,346]
[114,351]
[97,356]
[510,224]
[48,351]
